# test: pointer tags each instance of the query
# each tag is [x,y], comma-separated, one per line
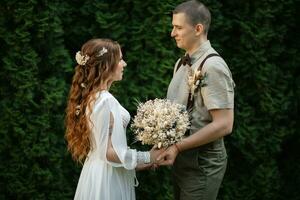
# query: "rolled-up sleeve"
[217,86]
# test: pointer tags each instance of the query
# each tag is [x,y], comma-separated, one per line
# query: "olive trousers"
[198,173]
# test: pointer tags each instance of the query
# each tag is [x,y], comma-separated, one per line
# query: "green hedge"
[258,39]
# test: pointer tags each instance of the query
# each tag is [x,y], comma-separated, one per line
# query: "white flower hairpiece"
[81,59]
[77,110]
[102,51]
[82,85]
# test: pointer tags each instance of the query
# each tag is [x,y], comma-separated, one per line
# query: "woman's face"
[118,75]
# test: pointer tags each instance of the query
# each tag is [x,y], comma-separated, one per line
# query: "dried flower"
[160,122]
[82,85]
[195,80]
[77,110]
[102,52]
[81,59]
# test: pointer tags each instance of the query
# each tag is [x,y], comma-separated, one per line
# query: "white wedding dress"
[101,179]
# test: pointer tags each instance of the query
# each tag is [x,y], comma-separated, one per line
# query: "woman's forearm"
[111,154]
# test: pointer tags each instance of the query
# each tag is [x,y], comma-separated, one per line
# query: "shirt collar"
[200,51]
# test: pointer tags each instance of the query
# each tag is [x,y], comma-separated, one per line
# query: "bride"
[96,126]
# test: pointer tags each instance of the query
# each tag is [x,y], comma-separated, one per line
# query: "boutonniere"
[195,80]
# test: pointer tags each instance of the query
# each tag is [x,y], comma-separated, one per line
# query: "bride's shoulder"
[104,95]
[105,98]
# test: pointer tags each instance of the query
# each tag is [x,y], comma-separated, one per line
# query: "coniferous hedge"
[258,39]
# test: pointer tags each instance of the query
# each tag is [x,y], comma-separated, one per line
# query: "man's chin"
[179,46]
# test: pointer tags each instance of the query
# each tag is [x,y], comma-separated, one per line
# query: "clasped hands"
[160,157]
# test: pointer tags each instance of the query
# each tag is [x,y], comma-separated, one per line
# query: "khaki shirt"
[218,92]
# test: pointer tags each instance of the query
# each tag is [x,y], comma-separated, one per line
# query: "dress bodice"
[125,116]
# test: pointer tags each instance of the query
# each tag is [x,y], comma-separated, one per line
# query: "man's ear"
[199,28]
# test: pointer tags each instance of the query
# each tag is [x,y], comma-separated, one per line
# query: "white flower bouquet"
[160,122]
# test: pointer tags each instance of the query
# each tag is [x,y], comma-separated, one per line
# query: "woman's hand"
[143,166]
[154,153]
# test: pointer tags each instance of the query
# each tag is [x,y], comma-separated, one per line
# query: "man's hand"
[154,153]
[168,157]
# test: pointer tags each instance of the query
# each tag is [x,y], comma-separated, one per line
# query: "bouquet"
[160,122]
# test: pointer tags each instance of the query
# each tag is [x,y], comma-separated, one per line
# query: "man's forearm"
[216,129]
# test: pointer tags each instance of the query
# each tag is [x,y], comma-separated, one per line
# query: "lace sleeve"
[143,157]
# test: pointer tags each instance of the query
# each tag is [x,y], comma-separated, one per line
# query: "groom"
[199,161]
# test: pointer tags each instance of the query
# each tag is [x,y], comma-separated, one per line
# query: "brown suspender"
[191,101]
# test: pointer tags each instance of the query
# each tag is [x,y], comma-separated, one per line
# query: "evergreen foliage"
[258,40]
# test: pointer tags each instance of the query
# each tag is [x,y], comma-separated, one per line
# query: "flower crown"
[82,59]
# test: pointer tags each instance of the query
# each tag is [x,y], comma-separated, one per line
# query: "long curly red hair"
[88,79]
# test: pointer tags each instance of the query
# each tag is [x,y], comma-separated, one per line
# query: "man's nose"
[173,33]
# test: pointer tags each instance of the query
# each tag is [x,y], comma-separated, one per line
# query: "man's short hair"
[196,12]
